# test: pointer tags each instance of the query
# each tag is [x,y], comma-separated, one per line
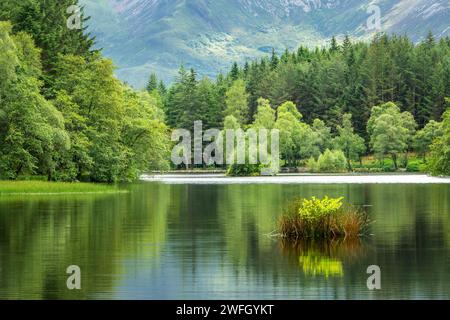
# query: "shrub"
[329,161]
[439,161]
[312,165]
[416,166]
[386,165]
[244,170]
[322,219]
[316,209]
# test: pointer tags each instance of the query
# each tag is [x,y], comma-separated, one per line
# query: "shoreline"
[44,188]
[62,193]
[297,179]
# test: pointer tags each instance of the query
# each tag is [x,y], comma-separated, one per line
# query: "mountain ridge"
[144,36]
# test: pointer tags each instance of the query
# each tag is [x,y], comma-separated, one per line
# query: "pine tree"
[47,22]
[334,47]
[274,60]
[152,83]
[234,74]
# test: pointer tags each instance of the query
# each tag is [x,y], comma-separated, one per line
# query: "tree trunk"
[349,164]
[394,158]
[19,170]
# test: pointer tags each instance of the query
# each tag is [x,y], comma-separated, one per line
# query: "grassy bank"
[43,187]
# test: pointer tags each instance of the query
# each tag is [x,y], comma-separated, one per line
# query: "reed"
[322,219]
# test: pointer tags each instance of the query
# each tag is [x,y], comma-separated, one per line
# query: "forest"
[63,113]
[65,116]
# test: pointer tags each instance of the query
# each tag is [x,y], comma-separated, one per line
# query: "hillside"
[144,36]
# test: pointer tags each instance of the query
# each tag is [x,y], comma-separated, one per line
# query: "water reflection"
[198,241]
[324,258]
[41,236]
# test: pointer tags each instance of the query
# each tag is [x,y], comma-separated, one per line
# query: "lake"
[212,241]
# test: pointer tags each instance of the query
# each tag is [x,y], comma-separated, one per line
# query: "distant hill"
[144,36]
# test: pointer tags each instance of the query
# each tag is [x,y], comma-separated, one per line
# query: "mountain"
[144,36]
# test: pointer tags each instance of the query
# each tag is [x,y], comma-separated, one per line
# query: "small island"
[322,219]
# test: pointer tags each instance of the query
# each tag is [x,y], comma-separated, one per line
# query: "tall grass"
[42,187]
[322,219]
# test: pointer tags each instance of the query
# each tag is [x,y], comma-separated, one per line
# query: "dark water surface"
[210,242]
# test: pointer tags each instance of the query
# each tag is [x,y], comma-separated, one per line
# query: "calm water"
[210,242]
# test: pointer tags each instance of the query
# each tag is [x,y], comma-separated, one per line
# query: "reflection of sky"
[197,261]
[185,272]
[296,179]
[205,281]
[210,242]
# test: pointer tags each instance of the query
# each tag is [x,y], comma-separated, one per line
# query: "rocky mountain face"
[144,36]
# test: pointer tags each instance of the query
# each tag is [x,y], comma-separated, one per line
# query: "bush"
[439,160]
[375,166]
[312,165]
[416,166]
[329,161]
[244,170]
[322,219]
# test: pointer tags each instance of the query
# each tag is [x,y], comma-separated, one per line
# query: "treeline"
[326,83]
[334,89]
[63,114]
[392,134]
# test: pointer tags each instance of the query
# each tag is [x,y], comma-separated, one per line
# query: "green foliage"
[152,83]
[244,170]
[425,137]
[391,131]
[231,123]
[323,135]
[46,22]
[376,166]
[354,77]
[189,100]
[63,114]
[289,108]
[349,142]
[416,166]
[317,209]
[8,57]
[237,101]
[265,116]
[115,126]
[329,161]
[439,162]
[348,79]
[297,139]
[80,123]
[32,129]
[325,218]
